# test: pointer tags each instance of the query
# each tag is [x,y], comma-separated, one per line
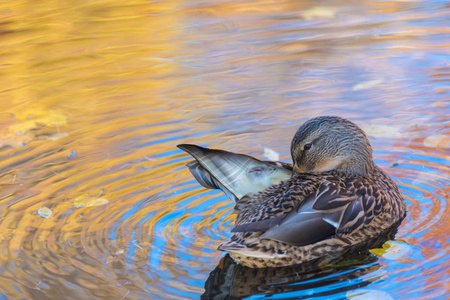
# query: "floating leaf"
[368,294]
[271,154]
[392,250]
[365,85]
[382,131]
[55,136]
[44,118]
[319,12]
[44,212]
[86,201]
[437,141]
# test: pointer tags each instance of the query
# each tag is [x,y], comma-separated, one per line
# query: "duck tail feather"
[206,180]
[235,174]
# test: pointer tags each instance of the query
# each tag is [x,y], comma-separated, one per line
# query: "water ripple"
[95,200]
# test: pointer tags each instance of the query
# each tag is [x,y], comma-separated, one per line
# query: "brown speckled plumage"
[312,213]
[379,196]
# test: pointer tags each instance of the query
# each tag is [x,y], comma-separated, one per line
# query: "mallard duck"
[332,197]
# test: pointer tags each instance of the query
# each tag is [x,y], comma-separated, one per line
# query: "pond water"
[95,200]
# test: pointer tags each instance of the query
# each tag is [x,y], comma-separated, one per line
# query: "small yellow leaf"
[319,12]
[392,250]
[44,212]
[86,201]
[378,251]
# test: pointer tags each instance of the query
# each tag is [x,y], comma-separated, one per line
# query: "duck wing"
[235,174]
[331,210]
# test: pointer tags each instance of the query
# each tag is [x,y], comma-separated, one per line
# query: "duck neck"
[354,167]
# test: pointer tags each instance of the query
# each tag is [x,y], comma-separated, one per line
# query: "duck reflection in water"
[333,197]
[230,280]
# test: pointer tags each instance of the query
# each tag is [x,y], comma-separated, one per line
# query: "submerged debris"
[44,212]
[87,201]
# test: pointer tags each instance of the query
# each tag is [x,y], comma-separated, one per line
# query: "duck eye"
[307,146]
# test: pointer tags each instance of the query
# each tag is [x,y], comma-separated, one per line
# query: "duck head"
[330,143]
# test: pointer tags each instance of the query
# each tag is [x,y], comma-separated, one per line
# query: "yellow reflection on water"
[73,75]
[67,65]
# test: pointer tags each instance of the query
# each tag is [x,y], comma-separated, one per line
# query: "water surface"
[95,201]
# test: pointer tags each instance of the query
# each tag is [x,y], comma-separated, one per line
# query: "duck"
[332,197]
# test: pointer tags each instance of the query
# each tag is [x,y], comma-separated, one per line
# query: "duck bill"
[297,169]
